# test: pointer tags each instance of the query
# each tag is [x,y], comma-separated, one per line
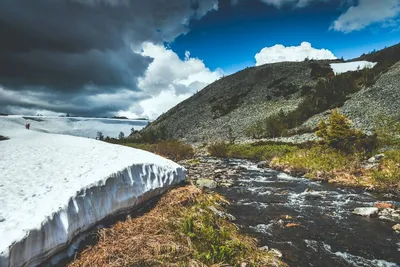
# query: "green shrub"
[219,149]
[337,133]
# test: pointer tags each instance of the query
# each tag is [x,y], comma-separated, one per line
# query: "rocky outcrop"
[368,106]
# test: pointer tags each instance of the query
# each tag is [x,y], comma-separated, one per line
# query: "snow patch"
[351,66]
[54,187]
[78,126]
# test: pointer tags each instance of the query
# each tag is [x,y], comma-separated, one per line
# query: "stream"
[264,201]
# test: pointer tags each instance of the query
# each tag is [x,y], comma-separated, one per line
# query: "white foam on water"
[263,228]
[351,259]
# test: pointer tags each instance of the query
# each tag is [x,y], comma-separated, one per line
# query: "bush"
[337,133]
[175,150]
[218,150]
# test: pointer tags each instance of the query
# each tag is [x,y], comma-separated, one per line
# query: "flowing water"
[264,201]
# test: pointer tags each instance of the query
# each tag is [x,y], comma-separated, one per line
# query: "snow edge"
[119,192]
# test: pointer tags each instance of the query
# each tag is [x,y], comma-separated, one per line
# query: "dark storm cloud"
[69,44]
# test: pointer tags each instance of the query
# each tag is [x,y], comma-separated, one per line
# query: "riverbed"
[310,222]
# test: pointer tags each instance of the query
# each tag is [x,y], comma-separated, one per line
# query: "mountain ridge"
[230,106]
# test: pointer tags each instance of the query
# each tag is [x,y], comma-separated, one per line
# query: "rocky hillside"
[230,106]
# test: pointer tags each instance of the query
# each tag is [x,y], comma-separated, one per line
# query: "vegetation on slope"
[331,91]
[183,229]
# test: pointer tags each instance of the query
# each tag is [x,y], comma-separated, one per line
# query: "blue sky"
[230,37]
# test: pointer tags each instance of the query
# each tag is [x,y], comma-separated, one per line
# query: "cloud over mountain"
[280,53]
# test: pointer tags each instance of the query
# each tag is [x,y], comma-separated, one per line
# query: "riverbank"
[187,227]
[379,172]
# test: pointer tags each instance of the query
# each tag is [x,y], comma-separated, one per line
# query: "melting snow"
[54,187]
[351,66]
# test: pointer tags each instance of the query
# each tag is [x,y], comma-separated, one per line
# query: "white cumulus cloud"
[367,12]
[169,80]
[280,53]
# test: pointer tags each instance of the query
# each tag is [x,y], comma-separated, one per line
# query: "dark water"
[328,235]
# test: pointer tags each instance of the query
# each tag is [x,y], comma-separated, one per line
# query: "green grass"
[259,152]
[255,151]
[388,172]
[317,158]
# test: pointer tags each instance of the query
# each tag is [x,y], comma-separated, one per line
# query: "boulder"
[376,158]
[396,227]
[206,183]
[384,205]
[366,211]
[262,164]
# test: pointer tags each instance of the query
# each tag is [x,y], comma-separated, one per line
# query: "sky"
[139,58]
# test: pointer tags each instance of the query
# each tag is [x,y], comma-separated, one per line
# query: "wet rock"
[396,228]
[206,183]
[222,214]
[366,211]
[390,214]
[262,164]
[289,225]
[239,168]
[376,158]
[386,218]
[276,252]
[226,184]
[219,171]
[384,205]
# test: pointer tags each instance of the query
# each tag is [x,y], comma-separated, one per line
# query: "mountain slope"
[234,103]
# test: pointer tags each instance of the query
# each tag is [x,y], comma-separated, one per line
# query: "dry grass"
[173,234]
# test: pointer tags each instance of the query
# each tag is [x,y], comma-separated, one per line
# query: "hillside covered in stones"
[289,96]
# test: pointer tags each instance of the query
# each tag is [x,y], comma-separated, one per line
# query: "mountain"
[284,99]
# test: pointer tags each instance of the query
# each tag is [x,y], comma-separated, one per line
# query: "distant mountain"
[288,96]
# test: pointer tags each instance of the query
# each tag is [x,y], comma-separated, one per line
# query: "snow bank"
[54,187]
[351,66]
[84,127]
